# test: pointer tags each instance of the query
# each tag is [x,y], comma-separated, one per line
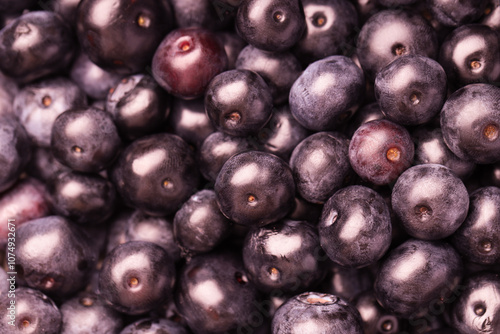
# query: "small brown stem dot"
[77,149]
[387,326]
[475,64]
[86,301]
[233,117]
[133,282]
[46,101]
[185,46]
[393,154]
[143,21]
[25,323]
[490,132]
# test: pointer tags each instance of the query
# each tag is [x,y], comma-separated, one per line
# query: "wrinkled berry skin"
[88,312]
[430,201]
[121,35]
[279,70]
[187,60]
[375,319]
[82,198]
[327,93]
[35,313]
[34,45]
[136,277]
[330,25]
[284,256]
[54,256]
[320,165]
[15,151]
[93,80]
[478,238]
[380,151]
[391,33]
[416,275]
[355,227]
[238,102]
[37,106]
[199,226]
[216,149]
[455,13]
[411,90]
[154,326]
[473,136]
[471,54]
[189,121]
[430,148]
[270,25]
[477,308]
[85,139]
[255,188]
[320,313]
[214,294]
[282,133]
[139,106]
[156,174]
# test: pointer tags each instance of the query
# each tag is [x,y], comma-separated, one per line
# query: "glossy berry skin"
[430,200]
[375,319]
[411,90]
[416,275]
[44,166]
[430,148]
[186,60]
[204,13]
[330,25]
[255,188]
[34,313]
[136,277]
[54,256]
[471,54]
[380,151]
[474,135]
[477,307]
[478,238]
[154,326]
[282,133]
[355,227]
[278,69]
[15,151]
[82,198]
[92,79]
[320,165]
[347,283]
[26,200]
[216,149]
[392,33]
[457,12]
[284,256]
[273,26]
[139,106]
[312,312]
[199,226]
[35,45]
[120,35]
[492,19]
[156,174]
[369,112]
[158,230]
[37,106]
[85,139]
[214,294]
[238,102]
[189,121]
[327,93]
[88,312]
